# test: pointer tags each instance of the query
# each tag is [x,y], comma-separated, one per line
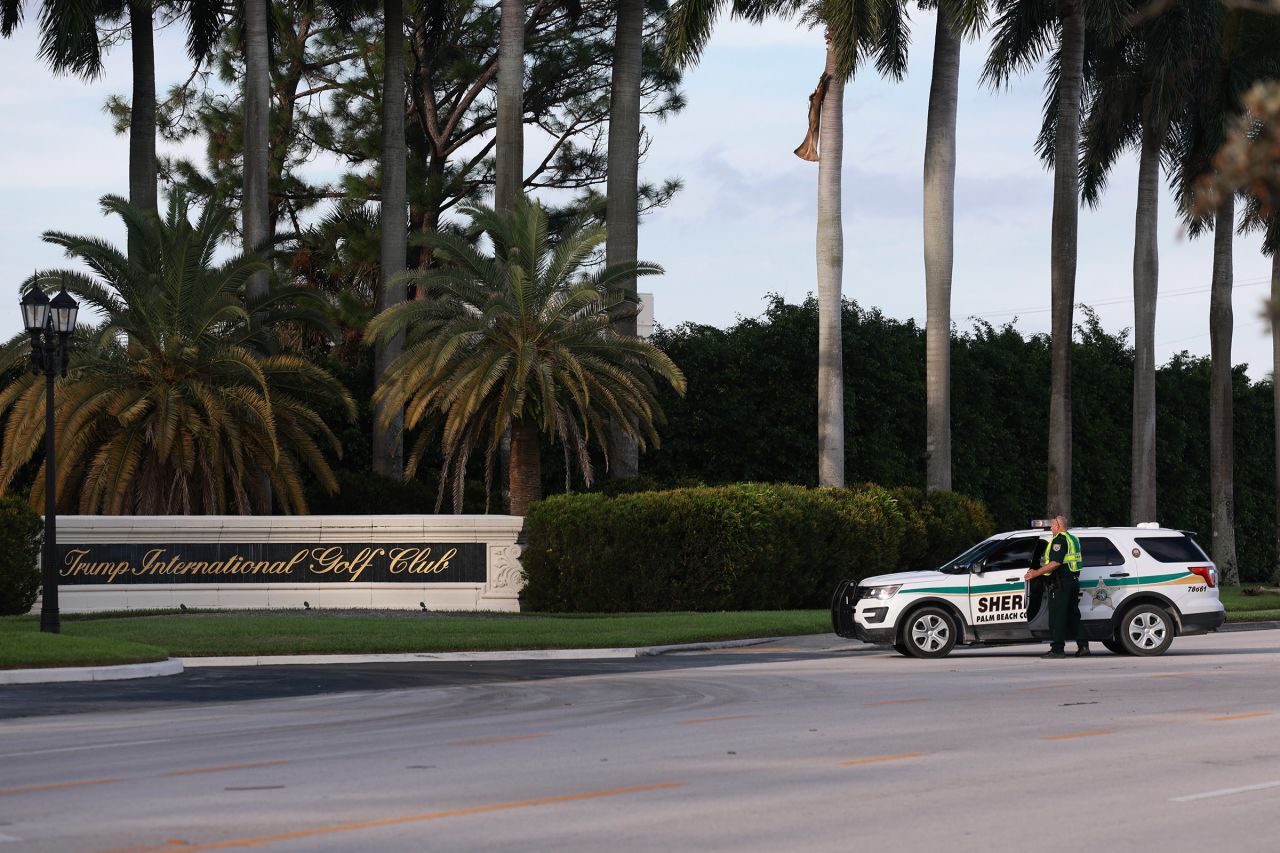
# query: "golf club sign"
[273,562]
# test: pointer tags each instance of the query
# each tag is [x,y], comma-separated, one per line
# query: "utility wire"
[1120,300]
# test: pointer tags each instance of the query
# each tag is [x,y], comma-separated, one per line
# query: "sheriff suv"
[1139,588]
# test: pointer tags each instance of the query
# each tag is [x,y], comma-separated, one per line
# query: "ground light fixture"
[50,323]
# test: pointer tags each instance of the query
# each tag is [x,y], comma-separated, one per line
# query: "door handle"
[1011,580]
[1119,574]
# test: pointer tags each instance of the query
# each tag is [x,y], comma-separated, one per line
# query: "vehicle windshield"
[968,558]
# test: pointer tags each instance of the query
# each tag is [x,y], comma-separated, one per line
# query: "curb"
[50,675]
[463,657]
[1249,626]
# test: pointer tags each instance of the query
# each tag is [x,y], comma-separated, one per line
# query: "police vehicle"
[1139,588]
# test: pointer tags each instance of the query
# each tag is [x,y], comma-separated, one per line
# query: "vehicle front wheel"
[1115,647]
[1146,630]
[929,633]
[901,648]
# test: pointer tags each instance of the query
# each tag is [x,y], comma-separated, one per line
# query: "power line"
[1120,300]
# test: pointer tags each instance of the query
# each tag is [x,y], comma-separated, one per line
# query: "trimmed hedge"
[21,537]
[746,546]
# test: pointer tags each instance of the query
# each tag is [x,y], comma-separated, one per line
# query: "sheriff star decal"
[1101,598]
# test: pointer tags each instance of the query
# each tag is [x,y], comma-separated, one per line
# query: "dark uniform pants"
[1064,610]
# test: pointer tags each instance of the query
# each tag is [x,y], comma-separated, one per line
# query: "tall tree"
[1139,86]
[388,425]
[955,18]
[853,32]
[622,211]
[70,42]
[1025,31]
[509,151]
[1246,53]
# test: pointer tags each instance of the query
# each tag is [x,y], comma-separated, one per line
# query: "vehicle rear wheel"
[929,633]
[1115,647]
[901,648]
[1146,630]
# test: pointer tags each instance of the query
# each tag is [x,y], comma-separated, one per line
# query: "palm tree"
[956,18]
[174,403]
[388,426]
[1246,53]
[622,207]
[508,146]
[1025,31]
[854,31]
[70,44]
[1139,87]
[521,339]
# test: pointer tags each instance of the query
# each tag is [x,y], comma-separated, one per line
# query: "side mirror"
[976,568]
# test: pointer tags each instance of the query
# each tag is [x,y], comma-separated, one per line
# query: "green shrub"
[941,525]
[746,546]
[21,537]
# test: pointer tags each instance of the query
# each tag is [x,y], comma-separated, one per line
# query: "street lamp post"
[50,323]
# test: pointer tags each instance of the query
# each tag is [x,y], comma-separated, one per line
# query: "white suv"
[1139,588]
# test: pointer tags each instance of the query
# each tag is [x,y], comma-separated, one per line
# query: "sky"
[744,224]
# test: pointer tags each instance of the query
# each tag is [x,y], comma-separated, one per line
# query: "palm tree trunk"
[622,205]
[1221,475]
[1066,213]
[256,212]
[1275,393]
[388,421]
[142,113]
[525,467]
[509,144]
[939,248]
[1146,282]
[830,257]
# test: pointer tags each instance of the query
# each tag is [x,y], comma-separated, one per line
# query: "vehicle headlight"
[882,592]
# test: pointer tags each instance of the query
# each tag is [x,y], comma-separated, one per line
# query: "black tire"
[901,648]
[929,632]
[1146,630]
[1115,647]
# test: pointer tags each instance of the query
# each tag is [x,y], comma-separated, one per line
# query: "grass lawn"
[1249,608]
[265,633]
[22,646]
[109,638]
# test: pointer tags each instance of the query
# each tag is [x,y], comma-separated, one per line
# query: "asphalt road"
[811,745]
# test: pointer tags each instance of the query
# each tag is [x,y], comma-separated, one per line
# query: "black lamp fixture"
[50,324]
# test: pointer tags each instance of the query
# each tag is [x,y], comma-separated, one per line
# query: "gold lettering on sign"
[329,561]
[417,561]
[76,565]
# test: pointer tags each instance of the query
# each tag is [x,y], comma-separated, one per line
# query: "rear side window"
[1098,551]
[1171,549]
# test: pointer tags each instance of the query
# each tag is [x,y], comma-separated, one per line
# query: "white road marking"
[1225,792]
[4,838]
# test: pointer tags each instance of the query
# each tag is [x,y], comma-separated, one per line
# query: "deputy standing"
[1061,567]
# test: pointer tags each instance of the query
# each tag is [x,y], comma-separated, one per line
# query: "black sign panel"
[274,562]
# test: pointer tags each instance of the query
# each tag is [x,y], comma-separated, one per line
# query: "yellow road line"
[484,741]
[1076,735]
[1044,687]
[246,766]
[714,719]
[879,758]
[57,786]
[419,818]
[895,702]
[1241,716]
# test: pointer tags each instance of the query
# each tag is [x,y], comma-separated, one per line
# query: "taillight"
[1209,573]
